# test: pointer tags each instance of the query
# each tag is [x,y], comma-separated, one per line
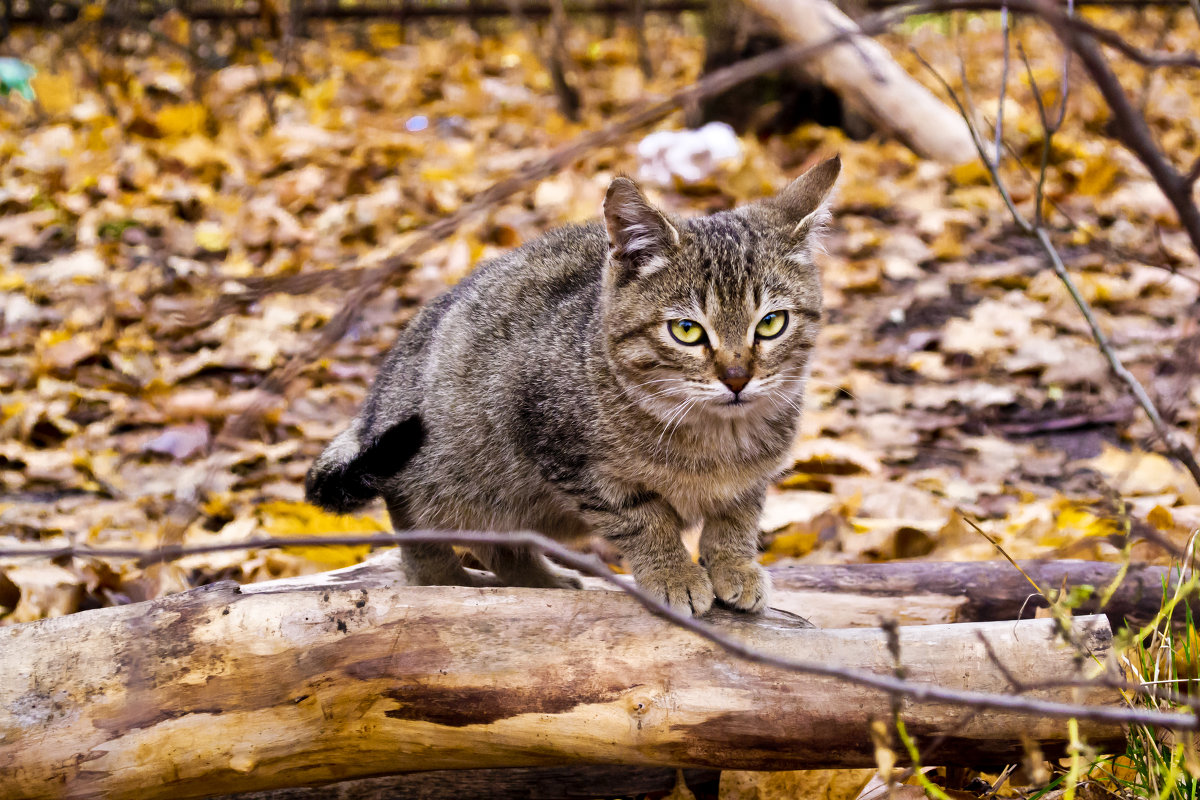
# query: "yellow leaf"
[1077,518]
[181,120]
[948,245]
[1160,518]
[91,12]
[322,94]
[1098,175]
[212,237]
[56,93]
[971,173]
[385,36]
[11,410]
[284,518]
[794,543]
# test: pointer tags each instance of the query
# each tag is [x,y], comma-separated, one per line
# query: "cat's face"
[715,317]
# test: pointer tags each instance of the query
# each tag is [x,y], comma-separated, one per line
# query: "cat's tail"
[354,469]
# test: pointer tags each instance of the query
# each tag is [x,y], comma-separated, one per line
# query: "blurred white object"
[668,157]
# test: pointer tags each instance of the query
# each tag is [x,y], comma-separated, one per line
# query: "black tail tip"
[348,475]
[339,491]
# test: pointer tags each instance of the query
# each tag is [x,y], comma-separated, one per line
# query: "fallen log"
[910,593]
[932,592]
[344,675]
[869,80]
[579,782]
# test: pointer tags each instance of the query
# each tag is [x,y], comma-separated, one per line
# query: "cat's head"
[715,316]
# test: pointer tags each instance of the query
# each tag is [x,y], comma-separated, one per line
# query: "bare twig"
[1048,130]
[568,96]
[1164,432]
[1006,27]
[639,33]
[590,565]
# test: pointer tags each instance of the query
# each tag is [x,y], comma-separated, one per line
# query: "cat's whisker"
[670,417]
[631,389]
[676,418]
[687,407]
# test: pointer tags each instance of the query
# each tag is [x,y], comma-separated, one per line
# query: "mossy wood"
[346,675]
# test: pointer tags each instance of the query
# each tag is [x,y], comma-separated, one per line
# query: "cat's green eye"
[686,331]
[771,325]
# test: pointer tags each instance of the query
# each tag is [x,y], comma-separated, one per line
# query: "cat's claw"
[742,585]
[686,588]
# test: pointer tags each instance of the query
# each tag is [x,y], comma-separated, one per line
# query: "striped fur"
[545,392]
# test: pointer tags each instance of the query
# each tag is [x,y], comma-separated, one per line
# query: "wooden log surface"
[870,81]
[346,674]
[577,782]
[912,593]
[930,592]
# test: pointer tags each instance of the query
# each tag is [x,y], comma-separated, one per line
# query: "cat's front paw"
[563,579]
[685,588]
[743,585]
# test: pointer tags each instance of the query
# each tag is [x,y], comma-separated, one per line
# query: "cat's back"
[523,304]
[509,309]
[560,267]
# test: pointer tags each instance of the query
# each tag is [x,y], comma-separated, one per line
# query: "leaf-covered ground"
[955,376]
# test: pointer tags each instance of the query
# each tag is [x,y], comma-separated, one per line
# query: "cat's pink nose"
[735,378]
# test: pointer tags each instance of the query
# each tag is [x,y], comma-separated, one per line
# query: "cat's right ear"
[805,203]
[641,236]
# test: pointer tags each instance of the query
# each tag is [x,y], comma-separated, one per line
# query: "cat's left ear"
[805,202]
[641,236]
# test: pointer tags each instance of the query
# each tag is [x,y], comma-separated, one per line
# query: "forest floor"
[954,378]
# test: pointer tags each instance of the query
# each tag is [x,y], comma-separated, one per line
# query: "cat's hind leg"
[524,566]
[429,563]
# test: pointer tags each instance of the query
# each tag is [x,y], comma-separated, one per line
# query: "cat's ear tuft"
[641,236]
[805,202]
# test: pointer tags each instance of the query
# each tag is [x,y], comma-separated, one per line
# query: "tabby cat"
[625,379]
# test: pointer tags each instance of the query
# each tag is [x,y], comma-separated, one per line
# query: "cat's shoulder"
[560,262]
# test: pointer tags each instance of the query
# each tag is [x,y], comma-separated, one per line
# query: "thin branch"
[980,148]
[590,565]
[638,19]
[1006,27]
[568,96]
[1048,130]
[1064,88]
